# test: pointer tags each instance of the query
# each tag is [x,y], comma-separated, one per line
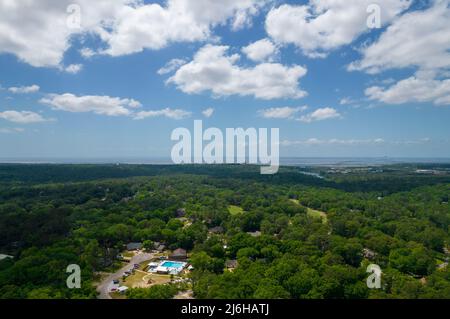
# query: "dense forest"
[55,215]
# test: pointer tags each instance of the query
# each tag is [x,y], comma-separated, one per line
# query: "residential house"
[134,246]
[178,254]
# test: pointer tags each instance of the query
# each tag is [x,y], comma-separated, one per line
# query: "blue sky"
[333,86]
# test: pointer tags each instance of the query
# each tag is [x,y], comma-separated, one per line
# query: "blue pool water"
[173,264]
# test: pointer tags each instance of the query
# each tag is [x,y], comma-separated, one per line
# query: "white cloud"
[208,112]
[11,130]
[281,112]
[106,105]
[87,53]
[416,39]
[73,68]
[346,101]
[175,114]
[22,117]
[171,66]
[213,70]
[322,114]
[153,26]
[38,32]
[261,51]
[103,105]
[24,89]
[325,25]
[416,89]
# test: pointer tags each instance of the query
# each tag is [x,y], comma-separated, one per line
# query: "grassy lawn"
[317,214]
[157,279]
[128,254]
[143,265]
[312,212]
[143,279]
[235,210]
[135,280]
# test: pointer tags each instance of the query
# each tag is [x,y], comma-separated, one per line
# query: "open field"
[313,213]
[235,210]
[317,214]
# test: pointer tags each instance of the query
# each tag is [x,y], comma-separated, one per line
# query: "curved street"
[105,285]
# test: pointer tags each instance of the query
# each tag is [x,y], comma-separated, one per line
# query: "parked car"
[116,282]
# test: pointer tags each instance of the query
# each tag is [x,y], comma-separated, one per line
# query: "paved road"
[105,286]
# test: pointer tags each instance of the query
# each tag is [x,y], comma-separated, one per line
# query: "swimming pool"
[173,264]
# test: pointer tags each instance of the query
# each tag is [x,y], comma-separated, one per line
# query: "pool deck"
[173,267]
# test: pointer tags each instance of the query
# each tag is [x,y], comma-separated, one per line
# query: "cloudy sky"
[113,78]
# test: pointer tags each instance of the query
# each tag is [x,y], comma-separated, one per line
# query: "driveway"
[106,284]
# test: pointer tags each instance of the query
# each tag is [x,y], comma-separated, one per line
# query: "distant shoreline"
[284,161]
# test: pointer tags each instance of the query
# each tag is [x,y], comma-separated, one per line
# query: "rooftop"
[134,246]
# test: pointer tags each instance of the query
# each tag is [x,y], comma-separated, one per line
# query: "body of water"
[285,161]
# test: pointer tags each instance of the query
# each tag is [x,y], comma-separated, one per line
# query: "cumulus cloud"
[413,89]
[322,114]
[73,68]
[40,32]
[208,112]
[171,66]
[261,51]
[22,117]
[324,25]
[213,70]
[109,106]
[153,26]
[24,89]
[103,105]
[416,39]
[175,114]
[281,112]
